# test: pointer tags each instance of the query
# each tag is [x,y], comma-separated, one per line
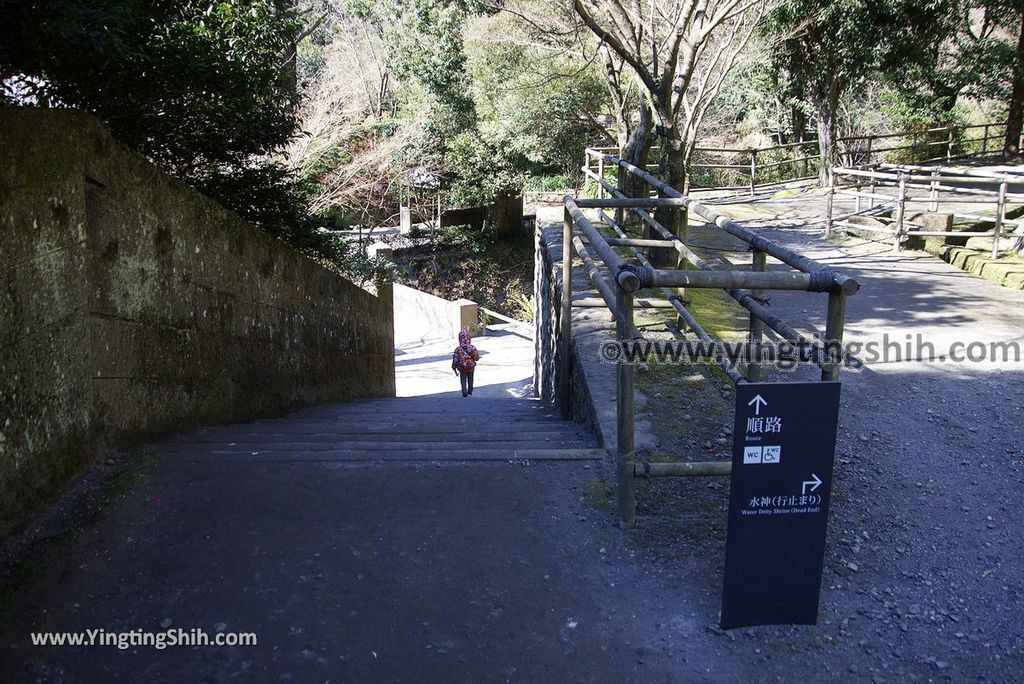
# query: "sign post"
[784,444]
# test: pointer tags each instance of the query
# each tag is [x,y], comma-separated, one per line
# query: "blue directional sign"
[784,443]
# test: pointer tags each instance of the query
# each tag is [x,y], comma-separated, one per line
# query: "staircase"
[425,428]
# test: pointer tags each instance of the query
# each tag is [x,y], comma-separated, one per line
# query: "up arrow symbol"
[757,402]
[815,482]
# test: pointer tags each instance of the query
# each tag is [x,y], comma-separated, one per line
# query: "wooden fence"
[896,189]
[734,168]
[624,278]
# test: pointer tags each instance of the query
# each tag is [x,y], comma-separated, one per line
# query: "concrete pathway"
[423,363]
[922,579]
[427,538]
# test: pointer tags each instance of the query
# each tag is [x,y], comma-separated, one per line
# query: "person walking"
[464,360]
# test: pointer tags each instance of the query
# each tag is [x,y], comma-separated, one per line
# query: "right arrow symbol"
[815,483]
[757,402]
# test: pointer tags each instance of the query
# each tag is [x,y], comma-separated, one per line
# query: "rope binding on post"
[644,273]
[823,280]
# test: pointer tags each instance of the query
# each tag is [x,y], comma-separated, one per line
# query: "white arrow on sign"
[757,402]
[815,483]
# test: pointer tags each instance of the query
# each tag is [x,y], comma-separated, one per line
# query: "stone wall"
[426,316]
[133,306]
[547,297]
[590,328]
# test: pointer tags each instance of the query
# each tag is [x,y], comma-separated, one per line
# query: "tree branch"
[615,44]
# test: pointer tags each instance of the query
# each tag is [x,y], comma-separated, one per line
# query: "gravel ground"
[924,577]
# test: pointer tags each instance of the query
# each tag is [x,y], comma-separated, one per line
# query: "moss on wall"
[131,305]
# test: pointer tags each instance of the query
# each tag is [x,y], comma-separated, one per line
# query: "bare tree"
[1015,115]
[555,26]
[350,90]
[679,52]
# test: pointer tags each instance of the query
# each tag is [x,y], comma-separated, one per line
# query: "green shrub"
[464,237]
[522,307]
[552,183]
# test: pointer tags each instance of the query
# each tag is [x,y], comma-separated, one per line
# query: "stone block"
[930,222]
[1014,281]
[466,314]
[868,228]
[997,271]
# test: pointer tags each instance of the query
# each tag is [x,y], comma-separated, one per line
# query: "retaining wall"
[133,306]
[591,327]
[429,316]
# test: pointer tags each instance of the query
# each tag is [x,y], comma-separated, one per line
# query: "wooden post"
[949,144]
[1000,217]
[834,323]
[933,194]
[600,174]
[437,224]
[683,233]
[756,325]
[753,170]
[626,437]
[901,205]
[620,179]
[565,320]
[856,200]
[829,202]
[871,191]
[984,142]
[867,158]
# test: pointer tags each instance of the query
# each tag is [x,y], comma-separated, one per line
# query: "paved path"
[426,538]
[476,542]
[924,576]
[423,363]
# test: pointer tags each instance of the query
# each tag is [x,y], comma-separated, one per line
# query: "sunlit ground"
[424,366]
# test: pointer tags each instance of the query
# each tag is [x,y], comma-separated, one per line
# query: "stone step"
[377,445]
[409,423]
[391,456]
[387,425]
[442,429]
[381,415]
[300,435]
[408,406]
[422,418]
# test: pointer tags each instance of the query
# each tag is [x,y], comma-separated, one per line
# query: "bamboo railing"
[614,255]
[960,193]
[735,168]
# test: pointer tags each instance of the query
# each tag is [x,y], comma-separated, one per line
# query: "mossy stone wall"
[131,306]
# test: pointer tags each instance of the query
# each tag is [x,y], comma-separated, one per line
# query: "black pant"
[467,382]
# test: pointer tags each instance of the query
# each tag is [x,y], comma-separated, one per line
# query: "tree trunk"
[636,151]
[799,124]
[672,172]
[826,102]
[1015,116]
[507,215]
[613,84]
[290,71]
